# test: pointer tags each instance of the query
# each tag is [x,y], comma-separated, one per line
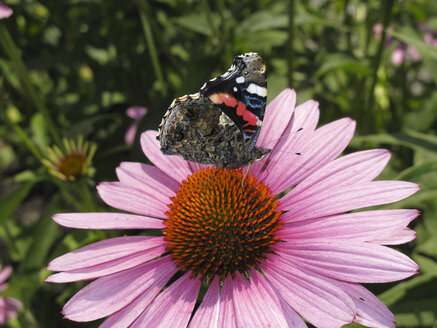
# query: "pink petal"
[371,312]
[357,167]
[227,316]
[174,166]
[315,203]
[129,137]
[318,301]
[353,262]
[136,112]
[107,268]
[5,273]
[146,177]
[400,237]
[126,316]
[322,147]
[107,220]
[173,307]
[297,133]
[413,53]
[5,11]
[109,294]
[397,56]
[277,115]
[126,198]
[294,320]
[358,226]
[207,315]
[104,251]
[255,303]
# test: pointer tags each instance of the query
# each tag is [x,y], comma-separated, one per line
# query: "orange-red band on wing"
[228,100]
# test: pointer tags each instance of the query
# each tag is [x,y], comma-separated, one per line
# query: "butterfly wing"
[241,93]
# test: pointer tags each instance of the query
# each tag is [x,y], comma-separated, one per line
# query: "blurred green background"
[71,68]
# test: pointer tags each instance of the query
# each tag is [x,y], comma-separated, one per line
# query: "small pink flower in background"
[263,259]
[399,53]
[8,305]
[136,113]
[5,11]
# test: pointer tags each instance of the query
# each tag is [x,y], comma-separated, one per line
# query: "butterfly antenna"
[215,173]
[244,176]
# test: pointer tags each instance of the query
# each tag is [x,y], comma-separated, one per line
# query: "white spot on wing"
[257,90]
[240,79]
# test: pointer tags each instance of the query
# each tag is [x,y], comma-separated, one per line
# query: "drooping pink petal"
[5,11]
[343,227]
[353,262]
[325,144]
[8,309]
[174,166]
[351,169]
[226,311]
[400,237]
[294,320]
[255,303]
[110,267]
[106,220]
[297,133]
[277,115]
[126,316]
[126,198]
[207,315]
[104,251]
[5,273]
[371,312]
[110,294]
[315,299]
[344,198]
[397,56]
[143,177]
[173,307]
[131,132]
[136,112]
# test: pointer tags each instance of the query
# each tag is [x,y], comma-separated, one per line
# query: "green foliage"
[72,68]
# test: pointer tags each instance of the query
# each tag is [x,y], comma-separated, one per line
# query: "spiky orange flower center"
[218,225]
[72,165]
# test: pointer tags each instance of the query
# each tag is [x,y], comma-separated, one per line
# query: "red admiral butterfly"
[220,124]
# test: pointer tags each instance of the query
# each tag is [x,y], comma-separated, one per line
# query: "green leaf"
[45,232]
[39,130]
[425,116]
[262,21]
[412,139]
[414,173]
[427,265]
[343,62]
[394,294]
[264,40]
[9,203]
[196,23]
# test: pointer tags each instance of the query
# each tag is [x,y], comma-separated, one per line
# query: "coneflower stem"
[388,6]
[143,9]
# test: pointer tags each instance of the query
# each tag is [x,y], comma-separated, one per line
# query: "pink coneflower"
[136,113]
[8,305]
[399,53]
[5,11]
[258,257]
